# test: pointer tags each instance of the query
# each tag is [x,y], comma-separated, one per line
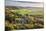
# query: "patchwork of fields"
[23,18]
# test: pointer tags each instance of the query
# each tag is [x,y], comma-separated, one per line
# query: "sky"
[13,3]
[30,0]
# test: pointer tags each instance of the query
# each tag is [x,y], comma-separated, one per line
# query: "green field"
[16,19]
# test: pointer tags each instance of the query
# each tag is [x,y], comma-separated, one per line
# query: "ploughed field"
[19,18]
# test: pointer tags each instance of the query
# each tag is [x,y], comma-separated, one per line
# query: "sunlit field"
[23,18]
